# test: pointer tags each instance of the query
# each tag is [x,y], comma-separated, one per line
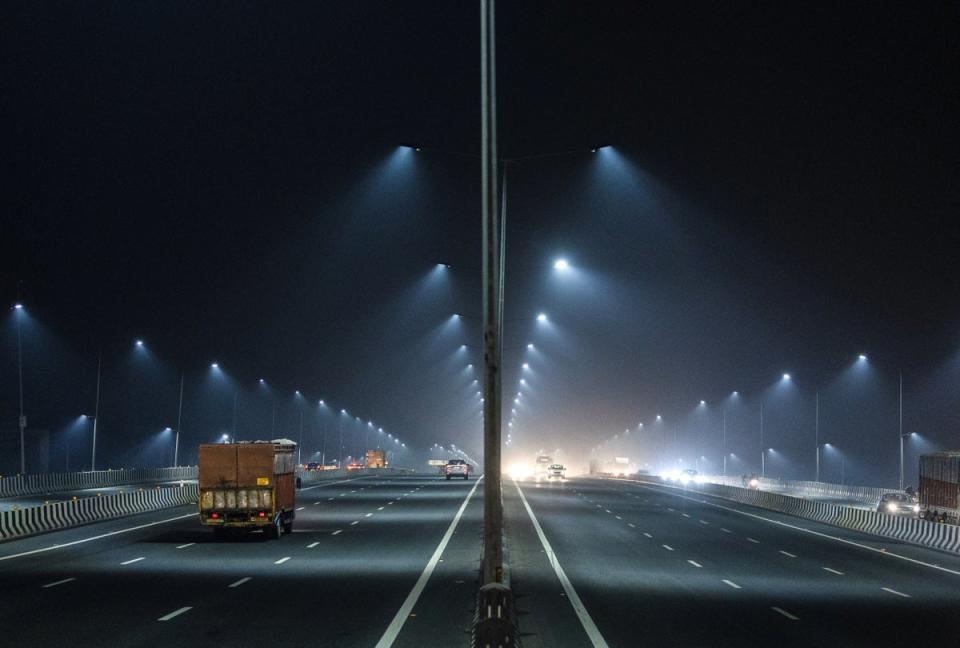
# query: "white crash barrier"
[62,515]
[18,485]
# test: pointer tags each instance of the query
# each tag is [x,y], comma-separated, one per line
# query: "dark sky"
[222,179]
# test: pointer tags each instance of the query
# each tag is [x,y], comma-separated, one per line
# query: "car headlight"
[892,507]
[916,508]
[754,483]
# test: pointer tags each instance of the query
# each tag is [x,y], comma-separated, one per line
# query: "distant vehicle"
[376,458]
[687,476]
[457,468]
[751,481]
[939,487]
[541,465]
[247,486]
[314,465]
[354,466]
[898,504]
[557,471]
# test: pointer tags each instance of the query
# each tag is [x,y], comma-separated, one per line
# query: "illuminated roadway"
[387,561]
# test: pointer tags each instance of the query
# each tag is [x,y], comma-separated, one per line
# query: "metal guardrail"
[19,485]
[809,489]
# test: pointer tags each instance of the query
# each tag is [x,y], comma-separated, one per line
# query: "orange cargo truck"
[248,486]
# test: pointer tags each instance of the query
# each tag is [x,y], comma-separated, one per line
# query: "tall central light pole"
[816,434]
[22,421]
[900,430]
[96,415]
[176,438]
[763,450]
[492,310]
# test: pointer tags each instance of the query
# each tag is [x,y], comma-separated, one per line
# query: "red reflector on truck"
[214,515]
[263,514]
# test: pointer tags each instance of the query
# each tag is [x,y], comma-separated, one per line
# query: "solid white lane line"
[893,591]
[130,562]
[785,613]
[833,571]
[882,552]
[281,561]
[240,582]
[647,534]
[368,515]
[312,545]
[300,508]
[695,563]
[667,547]
[585,620]
[393,630]
[731,584]
[787,554]
[98,537]
[184,546]
[337,531]
[355,522]
[753,541]
[175,613]
[55,583]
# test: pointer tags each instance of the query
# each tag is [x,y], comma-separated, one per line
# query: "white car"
[557,471]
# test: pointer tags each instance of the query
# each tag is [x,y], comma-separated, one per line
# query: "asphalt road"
[654,566]
[26,501]
[346,575]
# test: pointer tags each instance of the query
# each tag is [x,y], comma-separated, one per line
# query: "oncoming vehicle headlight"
[892,507]
[684,479]
[754,483]
[699,479]
[916,508]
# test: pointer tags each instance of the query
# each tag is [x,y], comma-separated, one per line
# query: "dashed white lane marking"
[281,561]
[396,625]
[753,541]
[618,517]
[389,503]
[312,545]
[695,563]
[368,515]
[893,591]
[585,620]
[607,510]
[380,509]
[647,534]
[725,530]
[316,503]
[330,499]
[667,547]
[704,522]
[97,537]
[631,525]
[184,546]
[175,613]
[731,584]
[671,510]
[240,582]
[355,522]
[337,531]
[55,583]
[787,554]
[685,515]
[785,613]
[130,562]
[833,571]
[300,508]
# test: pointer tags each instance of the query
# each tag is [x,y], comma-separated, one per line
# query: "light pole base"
[495,622]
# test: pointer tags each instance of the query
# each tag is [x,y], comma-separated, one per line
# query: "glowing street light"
[560,264]
[542,317]
[139,343]
[786,376]
[214,365]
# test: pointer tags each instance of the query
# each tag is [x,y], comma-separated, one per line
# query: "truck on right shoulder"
[939,487]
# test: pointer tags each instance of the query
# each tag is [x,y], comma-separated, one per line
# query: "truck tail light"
[215,515]
[263,514]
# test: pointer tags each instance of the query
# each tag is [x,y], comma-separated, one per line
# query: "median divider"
[62,515]
[19,485]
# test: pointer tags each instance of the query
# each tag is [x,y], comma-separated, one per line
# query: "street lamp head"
[560,264]
[18,306]
[659,418]
[702,403]
[526,365]
[321,402]
[139,343]
[599,148]
[214,365]
[862,357]
[736,393]
[786,376]
[412,147]
[542,317]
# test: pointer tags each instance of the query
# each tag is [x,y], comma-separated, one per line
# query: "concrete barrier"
[62,515]
[869,496]
[20,485]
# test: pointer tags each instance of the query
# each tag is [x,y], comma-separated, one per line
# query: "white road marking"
[281,561]
[315,503]
[753,541]
[130,562]
[785,613]
[647,534]
[368,515]
[618,517]
[787,554]
[312,545]
[333,483]
[380,509]
[883,552]
[184,546]
[337,531]
[175,613]
[704,522]
[585,620]
[393,630]
[330,499]
[667,547]
[192,514]
[300,508]
[355,522]
[631,525]
[731,584]
[671,510]
[893,591]
[833,571]
[240,582]
[685,515]
[389,503]
[695,563]
[725,530]
[59,582]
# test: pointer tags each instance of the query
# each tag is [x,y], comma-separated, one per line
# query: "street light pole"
[763,451]
[816,433]
[724,441]
[23,419]
[96,416]
[176,438]
[900,430]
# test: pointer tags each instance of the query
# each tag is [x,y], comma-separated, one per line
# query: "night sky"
[223,181]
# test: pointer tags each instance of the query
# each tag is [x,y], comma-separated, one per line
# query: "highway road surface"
[393,561]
